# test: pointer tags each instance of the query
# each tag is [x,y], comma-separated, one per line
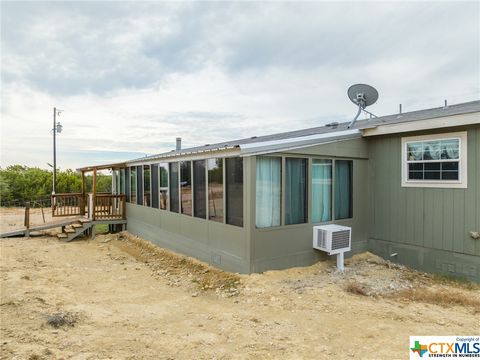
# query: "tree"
[23,183]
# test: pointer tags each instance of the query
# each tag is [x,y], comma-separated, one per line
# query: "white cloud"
[132,77]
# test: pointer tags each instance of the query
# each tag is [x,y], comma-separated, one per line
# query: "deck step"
[62,236]
[85,221]
[70,231]
[77,225]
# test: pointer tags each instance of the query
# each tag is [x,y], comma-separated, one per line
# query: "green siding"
[428,228]
[431,218]
[291,245]
[205,240]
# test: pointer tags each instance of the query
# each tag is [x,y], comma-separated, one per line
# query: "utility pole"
[57,128]
[54,186]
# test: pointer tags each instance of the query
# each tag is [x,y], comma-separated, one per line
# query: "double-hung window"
[435,160]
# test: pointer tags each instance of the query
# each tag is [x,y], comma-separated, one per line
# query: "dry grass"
[455,281]
[355,288]
[169,263]
[61,319]
[442,297]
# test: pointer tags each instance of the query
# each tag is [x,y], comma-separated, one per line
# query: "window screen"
[199,189]
[234,190]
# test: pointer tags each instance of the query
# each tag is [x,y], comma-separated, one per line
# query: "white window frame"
[462,163]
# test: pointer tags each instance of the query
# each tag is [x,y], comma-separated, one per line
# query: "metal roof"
[457,109]
[308,137]
[329,133]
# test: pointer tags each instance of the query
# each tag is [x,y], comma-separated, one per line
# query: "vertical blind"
[269,188]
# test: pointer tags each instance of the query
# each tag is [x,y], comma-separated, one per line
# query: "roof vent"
[178,145]
[332,125]
[445,106]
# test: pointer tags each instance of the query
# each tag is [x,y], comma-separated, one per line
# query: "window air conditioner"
[333,239]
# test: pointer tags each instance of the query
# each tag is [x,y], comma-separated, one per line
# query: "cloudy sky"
[131,77]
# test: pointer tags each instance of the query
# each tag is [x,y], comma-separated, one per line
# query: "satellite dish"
[362,95]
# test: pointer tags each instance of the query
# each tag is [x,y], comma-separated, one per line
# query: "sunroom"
[249,205]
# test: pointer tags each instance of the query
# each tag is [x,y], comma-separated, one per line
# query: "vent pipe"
[178,144]
[446,105]
[399,108]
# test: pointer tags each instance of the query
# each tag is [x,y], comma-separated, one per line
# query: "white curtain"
[321,190]
[450,149]
[415,151]
[431,150]
[268,191]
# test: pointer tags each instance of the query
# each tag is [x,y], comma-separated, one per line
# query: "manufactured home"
[408,186]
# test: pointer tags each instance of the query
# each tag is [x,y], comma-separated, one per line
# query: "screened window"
[199,189]
[234,190]
[127,183]
[343,189]
[116,181]
[163,188]
[154,181]
[146,185]
[174,201]
[321,190]
[139,185]
[268,191]
[437,160]
[133,184]
[295,191]
[215,189]
[122,182]
[186,187]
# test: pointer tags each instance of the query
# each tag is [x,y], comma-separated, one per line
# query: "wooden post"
[27,218]
[43,215]
[94,193]
[82,202]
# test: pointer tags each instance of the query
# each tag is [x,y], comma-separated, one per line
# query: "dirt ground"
[13,218]
[118,297]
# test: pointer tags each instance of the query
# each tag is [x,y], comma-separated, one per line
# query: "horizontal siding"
[435,218]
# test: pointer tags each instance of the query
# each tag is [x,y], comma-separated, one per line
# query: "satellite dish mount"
[362,95]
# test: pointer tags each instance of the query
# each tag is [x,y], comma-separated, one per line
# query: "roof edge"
[471,118]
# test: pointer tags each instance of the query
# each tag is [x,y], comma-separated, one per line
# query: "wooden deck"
[60,224]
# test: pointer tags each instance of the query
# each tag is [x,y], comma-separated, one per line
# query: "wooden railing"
[68,204]
[109,207]
[106,206]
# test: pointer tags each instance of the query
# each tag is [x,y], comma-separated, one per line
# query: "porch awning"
[103,167]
